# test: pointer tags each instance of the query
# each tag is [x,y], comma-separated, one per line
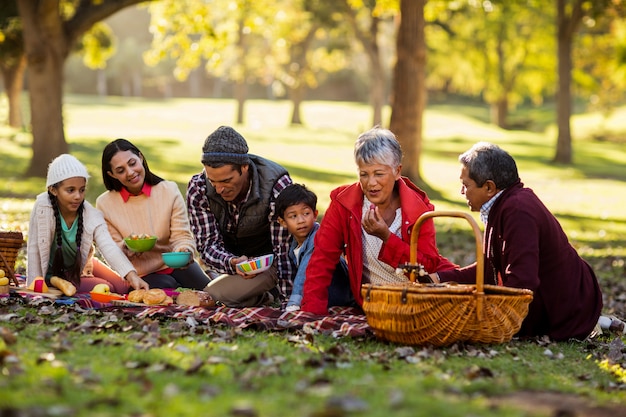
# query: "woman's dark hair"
[121,145]
[294,194]
[58,268]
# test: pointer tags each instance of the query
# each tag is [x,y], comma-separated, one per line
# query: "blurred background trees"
[396,54]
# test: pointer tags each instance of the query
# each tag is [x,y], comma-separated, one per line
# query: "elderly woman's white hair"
[378,146]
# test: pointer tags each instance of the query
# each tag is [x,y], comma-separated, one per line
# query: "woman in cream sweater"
[140,202]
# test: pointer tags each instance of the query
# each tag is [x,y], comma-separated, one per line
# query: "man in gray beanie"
[231,206]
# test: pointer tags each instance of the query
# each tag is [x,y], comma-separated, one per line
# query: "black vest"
[252,234]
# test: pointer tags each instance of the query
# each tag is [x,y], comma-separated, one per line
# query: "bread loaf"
[136,296]
[195,299]
[154,296]
[65,286]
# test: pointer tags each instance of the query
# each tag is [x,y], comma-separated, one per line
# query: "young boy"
[296,211]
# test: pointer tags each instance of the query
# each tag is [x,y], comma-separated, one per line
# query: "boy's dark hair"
[294,194]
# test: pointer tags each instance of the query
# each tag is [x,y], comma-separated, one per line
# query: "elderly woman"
[369,223]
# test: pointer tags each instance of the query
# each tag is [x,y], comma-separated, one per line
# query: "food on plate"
[38,285]
[140,243]
[136,296]
[65,286]
[101,289]
[135,236]
[195,299]
[154,296]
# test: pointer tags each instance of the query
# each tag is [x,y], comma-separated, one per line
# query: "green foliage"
[498,50]
[11,47]
[246,41]
[97,46]
[600,70]
[226,37]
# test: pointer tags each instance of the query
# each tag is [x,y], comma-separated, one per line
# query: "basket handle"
[480,261]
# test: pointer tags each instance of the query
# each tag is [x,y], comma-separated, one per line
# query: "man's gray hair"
[486,161]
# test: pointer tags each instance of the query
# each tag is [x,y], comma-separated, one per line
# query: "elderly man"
[231,206]
[525,247]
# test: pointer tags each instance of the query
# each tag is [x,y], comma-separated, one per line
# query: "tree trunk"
[241,92]
[566,27]
[377,94]
[501,106]
[409,85]
[101,82]
[297,97]
[377,87]
[137,83]
[46,49]
[369,41]
[300,64]
[13,78]
[241,80]
[500,112]
[47,42]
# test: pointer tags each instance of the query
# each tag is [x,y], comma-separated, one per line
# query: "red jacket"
[526,247]
[340,233]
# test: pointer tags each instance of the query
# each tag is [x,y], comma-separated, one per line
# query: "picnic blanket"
[340,322]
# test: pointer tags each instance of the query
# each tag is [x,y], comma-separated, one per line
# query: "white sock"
[604,322]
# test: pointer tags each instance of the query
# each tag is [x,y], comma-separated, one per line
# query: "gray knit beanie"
[225,146]
[63,167]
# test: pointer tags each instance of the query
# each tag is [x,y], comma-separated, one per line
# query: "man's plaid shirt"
[210,242]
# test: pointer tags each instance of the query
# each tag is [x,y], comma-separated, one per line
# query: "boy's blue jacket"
[304,256]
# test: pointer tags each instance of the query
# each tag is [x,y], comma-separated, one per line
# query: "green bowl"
[176,259]
[140,245]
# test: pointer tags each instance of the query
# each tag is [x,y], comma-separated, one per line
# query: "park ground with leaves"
[64,360]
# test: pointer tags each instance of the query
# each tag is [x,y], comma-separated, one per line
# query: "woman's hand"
[136,281]
[183,249]
[130,254]
[374,224]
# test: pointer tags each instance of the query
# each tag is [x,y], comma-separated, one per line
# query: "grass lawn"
[85,363]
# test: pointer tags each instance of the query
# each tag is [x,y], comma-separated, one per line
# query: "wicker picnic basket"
[10,244]
[415,313]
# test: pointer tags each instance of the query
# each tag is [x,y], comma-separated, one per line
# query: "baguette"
[65,286]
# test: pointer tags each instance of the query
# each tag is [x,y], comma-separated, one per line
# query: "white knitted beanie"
[63,167]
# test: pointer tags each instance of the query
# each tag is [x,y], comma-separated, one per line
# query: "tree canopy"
[503,52]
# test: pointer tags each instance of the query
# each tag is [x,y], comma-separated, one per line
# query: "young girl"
[63,228]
